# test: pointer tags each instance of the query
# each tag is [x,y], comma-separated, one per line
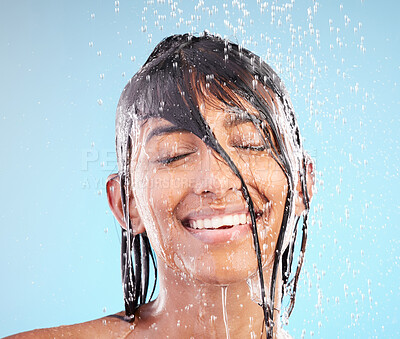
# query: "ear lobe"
[113,187]
[310,180]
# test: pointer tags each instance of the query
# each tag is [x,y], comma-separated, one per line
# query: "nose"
[215,176]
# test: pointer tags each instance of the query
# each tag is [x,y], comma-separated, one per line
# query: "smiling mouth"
[220,222]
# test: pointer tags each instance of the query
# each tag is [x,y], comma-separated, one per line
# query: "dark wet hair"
[180,70]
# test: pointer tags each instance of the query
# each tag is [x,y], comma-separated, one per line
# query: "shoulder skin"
[112,326]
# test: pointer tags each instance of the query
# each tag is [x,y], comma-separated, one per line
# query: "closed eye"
[246,137]
[250,147]
[168,160]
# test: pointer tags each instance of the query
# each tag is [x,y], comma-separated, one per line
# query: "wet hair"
[180,72]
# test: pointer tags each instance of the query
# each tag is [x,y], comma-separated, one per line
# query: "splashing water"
[255,289]
[224,313]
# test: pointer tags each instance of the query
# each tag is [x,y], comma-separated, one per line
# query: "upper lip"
[207,212]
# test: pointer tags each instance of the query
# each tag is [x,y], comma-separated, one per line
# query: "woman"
[212,174]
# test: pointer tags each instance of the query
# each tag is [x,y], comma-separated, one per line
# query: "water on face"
[224,312]
[340,69]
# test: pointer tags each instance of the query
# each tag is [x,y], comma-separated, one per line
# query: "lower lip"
[224,235]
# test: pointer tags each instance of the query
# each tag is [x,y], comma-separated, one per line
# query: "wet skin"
[178,179]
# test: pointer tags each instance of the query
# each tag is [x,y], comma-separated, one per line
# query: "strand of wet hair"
[145,265]
[126,258]
[278,248]
[138,268]
[154,261]
[135,280]
[283,163]
[306,202]
[287,258]
[303,174]
[131,276]
[295,280]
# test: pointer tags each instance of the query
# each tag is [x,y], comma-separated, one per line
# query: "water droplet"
[224,312]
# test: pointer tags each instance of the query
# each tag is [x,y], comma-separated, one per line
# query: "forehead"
[215,111]
[216,117]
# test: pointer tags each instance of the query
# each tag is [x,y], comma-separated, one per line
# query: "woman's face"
[191,203]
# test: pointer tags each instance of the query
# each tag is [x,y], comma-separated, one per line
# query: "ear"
[113,186]
[310,180]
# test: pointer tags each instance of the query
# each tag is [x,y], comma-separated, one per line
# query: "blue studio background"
[63,66]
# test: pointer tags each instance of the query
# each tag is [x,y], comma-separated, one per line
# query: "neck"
[187,307]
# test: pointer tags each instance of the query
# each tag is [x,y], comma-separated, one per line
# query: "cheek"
[272,184]
[146,184]
[267,182]
[161,190]
[265,176]
[165,190]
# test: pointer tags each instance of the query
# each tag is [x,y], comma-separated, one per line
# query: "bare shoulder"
[112,326]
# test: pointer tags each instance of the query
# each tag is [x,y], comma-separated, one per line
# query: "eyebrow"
[162,130]
[238,116]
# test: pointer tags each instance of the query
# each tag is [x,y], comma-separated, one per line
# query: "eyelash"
[166,161]
[252,148]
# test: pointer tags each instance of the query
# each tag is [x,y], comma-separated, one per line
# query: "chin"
[224,276]
[224,281]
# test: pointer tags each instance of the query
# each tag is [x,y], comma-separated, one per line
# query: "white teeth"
[200,223]
[207,223]
[216,222]
[197,224]
[227,220]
